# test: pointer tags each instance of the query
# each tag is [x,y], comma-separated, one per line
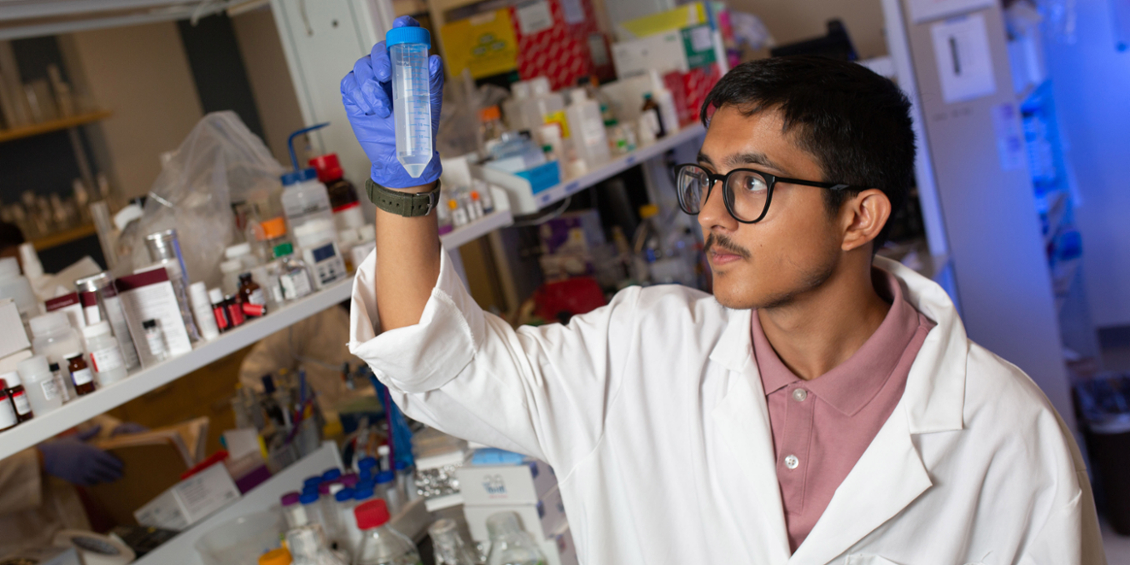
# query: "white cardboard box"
[12,335]
[190,500]
[663,52]
[542,519]
[505,485]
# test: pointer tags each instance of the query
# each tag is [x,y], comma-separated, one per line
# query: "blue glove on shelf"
[366,93]
[77,462]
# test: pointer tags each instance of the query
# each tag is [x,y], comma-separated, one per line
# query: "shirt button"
[791,462]
[800,394]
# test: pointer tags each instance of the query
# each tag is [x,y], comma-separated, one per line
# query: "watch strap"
[405,204]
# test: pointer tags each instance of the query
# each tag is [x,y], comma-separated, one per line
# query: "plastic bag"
[220,162]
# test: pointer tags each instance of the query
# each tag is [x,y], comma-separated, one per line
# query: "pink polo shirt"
[822,427]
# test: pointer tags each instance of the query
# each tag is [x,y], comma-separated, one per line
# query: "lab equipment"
[8,418]
[105,353]
[15,286]
[293,276]
[381,544]
[155,340]
[586,129]
[325,263]
[202,311]
[305,200]
[343,196]
[100,301]
[15,389]
[370,114]
[43,391]
[240,541]
[308,546]
[164,249]
[386,489]
[81,375]
[408,53]
[509,543]
[53,336]
[250,293]
[448,545]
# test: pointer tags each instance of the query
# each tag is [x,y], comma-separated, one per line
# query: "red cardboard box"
[554,40]
[689,90]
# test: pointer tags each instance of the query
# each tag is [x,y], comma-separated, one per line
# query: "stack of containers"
[511,483]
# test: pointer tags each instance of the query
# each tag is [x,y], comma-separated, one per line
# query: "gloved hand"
[126,428]
[367,95]
[77,462]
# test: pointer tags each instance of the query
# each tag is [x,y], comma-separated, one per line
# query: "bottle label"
[257,297]
[221,318]
[93,315]
[7,414]
[107,359]
[236,313]
[50,389]
[22,405]
[254,310]
[82,376]
[295,285]
[156,344]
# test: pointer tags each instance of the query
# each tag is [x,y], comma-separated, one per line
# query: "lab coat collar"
[935,388]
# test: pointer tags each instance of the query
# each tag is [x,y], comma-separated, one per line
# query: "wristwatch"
[404,204]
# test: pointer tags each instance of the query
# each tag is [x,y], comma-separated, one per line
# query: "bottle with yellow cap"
[275,557]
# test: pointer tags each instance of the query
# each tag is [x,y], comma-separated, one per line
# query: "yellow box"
[485,44]
[688,15]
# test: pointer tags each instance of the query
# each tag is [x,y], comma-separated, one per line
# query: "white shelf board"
[618,165]
[146,380]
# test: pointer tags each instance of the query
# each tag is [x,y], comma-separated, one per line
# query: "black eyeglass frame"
[771,181]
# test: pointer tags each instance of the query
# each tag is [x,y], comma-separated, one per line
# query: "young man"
[822,407]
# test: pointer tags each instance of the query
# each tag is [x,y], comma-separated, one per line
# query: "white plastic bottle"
[202,311]
[105,354]
[43,390]
[380,544]
[513,107]
[411,100]
[306,200]
[545,104]
[53,337]
[308,546]
[586,129]
[15,286]
[666,101]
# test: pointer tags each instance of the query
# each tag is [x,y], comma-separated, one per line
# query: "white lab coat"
[652,413]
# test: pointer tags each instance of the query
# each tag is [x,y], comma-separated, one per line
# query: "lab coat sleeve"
[544,391]
[21,483]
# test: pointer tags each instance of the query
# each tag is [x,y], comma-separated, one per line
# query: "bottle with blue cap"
[306,202]
[362,494]
[408,52]
[309,500]
[386,489]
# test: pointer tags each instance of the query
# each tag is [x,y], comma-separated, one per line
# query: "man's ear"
[864,216]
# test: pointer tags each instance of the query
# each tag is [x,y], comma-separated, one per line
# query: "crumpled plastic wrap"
[220,162]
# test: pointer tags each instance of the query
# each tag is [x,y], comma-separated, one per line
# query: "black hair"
[854,122]
[10,236]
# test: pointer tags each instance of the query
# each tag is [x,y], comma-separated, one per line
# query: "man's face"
[795,247]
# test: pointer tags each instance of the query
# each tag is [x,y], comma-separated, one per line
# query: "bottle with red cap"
[380,544]
[343,196]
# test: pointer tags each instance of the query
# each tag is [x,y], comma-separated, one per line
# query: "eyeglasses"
[746,192]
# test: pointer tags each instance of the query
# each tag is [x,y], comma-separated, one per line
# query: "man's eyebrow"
[703,158]
[751,158]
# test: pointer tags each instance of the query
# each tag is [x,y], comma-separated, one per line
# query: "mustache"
[724,243]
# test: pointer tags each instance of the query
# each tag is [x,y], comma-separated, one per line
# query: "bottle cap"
[363,492]
[408,34]
[367,463]
[244,277]
[503,523]
[275,227]
[49,323]
[372,514]
[324,489]
[540,86]
[401,465]
[350,479]
[295,177]
[308,498]
[11,380]
[33,366]
[489,114]
[290,498]
[215,296]
[237,250]
[648,211]
[284,249]
[312,480]
[331,474]
[385,477]
[95,330]
[278,556]
[344,495]
[9,267]
[149,324]
[71,356]
[647,96]
[327,167]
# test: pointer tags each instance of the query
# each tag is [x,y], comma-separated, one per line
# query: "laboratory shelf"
[618,165]
[498,219]
[54,125]
[147,379]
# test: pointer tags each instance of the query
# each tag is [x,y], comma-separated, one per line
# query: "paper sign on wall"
[926,10]
[965,63]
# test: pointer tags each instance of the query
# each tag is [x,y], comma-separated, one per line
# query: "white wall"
[1092,91]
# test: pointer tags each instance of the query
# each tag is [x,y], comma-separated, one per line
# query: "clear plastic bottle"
[54,337]
[448,545]
[43,390]
[105,353]
[362,494]
[380,543]
[293,510]
[408,52]
[305,200]
[343,503]
[310,503]
[308,546]
[386,489]
[294,277]
[509,543]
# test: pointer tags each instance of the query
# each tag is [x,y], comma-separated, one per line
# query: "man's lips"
[720,257]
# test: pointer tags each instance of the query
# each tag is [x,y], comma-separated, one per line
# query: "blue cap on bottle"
[331,474]
[363,493]
[398,35]
[344,494]
[361,485]
[401,465]
[367,463]
[295,177]
[308,498]
[385,477]
[313,480]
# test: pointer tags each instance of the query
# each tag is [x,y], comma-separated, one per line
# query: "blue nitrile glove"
[77,462]
[367,95]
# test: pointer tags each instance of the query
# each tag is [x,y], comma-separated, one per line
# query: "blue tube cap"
[385,477]
[344,494]
[363,493]
[295,177]
[331,474]
[308,498]
[313,480]
[367,463]
[398,35]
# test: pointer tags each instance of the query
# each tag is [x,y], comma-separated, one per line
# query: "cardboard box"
[149,295]
[190,500]
[513,485]
[485,44]
[555,40]
[691,14]
[663,52]
[13,337]
[542,520]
